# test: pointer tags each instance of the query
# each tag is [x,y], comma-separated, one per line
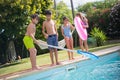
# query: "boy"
[29,40]
[51,35]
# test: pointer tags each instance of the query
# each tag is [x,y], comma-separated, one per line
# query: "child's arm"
[31,32]
[72,27]
[86,21]
[43,30]
[62,32]
[55,28]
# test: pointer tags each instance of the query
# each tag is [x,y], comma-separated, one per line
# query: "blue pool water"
[105,68]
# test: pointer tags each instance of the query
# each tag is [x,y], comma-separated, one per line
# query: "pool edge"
[98,53]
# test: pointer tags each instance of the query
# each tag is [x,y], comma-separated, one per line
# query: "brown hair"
[79,14]
[64,18]
[35,16]
[48,12]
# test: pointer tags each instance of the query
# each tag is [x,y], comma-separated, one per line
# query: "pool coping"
[63,63]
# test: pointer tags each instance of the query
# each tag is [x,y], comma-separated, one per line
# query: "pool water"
[105,68]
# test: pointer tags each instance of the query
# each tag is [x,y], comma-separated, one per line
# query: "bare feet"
[73,58]
[36,68]
[57,63]
[52,65]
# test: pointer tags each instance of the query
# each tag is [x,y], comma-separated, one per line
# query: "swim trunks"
[52,40]
[28,41]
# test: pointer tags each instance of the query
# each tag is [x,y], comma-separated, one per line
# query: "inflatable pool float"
[82,32]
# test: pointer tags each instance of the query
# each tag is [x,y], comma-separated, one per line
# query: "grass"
[41,60]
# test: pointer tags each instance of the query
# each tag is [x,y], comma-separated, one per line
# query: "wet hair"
[48,12]
[64,18]
[35,16]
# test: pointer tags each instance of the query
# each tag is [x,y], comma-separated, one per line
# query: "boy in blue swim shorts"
[50,32]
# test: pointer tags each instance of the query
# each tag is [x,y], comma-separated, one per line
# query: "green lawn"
[41,60]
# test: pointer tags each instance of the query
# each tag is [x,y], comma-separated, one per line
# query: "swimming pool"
[105,68]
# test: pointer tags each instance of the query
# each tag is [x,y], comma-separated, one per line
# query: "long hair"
[79,14]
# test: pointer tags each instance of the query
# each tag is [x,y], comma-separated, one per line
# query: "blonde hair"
[80,15]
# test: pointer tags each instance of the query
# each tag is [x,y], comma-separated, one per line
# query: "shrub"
[99,36]
[91,42]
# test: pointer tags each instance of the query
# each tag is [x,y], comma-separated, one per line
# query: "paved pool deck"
[62,63]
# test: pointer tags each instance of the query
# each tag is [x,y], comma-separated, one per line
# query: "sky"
[76,2]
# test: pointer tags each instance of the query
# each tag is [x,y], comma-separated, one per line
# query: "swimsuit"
[28,41]
[67,31]
[52,40]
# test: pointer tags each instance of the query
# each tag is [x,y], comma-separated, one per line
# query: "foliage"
[99,36]
[91,42]
[115,20]
[98,14]
[63,10]
[14,18]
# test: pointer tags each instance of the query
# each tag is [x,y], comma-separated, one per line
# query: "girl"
[83,43]
[66,32]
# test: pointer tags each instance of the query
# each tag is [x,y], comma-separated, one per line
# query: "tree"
[114,29]
[63,10]
[14,17]
[98,14]
[85,8]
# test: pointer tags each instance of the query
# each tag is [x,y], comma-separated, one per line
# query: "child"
[29,40]
[66,32]
[83,43]
[51,35]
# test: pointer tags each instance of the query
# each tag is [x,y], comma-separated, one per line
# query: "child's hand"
[84,27]
[37,41]
[46,36]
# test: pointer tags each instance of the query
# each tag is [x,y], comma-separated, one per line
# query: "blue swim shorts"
[52,40]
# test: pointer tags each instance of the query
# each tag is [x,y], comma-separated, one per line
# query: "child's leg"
[33,52]
[56,56]
[71,47]
[81,44]
[86,45]
[51,56]
[68,46]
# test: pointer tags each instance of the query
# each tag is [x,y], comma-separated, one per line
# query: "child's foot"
[36,68]
[73,58]
[52,65]
[57,63]
[70,59]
